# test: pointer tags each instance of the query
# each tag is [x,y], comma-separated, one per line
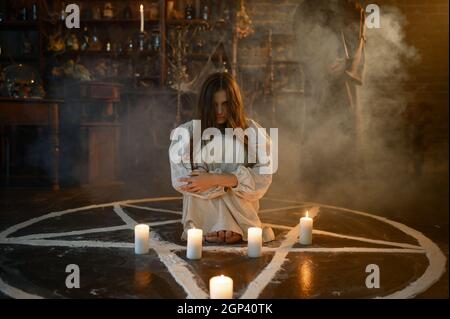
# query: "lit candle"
[141,237]
[254,243]
[306,228]
[194,243]
[221,287]
[141,9]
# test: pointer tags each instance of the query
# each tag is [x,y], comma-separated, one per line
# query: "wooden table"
[36,112]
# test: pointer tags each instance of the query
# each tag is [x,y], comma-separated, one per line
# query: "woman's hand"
[198,182]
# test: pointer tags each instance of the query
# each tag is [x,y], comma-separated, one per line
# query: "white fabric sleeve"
[182,168]
[254,181]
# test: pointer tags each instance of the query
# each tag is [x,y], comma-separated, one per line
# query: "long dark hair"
[235,110]
[206,112]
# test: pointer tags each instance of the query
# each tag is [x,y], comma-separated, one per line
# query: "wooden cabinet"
[30,112]
[116,55]
[93,128]
[91,133]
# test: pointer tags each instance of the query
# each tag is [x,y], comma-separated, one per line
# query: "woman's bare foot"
[222,236]
[232,237]
[215,237]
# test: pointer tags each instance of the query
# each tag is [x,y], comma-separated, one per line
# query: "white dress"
[224,208]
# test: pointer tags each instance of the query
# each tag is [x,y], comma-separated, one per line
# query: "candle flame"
[141,7]
[307,213]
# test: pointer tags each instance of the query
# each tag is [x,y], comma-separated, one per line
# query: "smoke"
[323,155]
[384,101]
[341,155]
[383,97]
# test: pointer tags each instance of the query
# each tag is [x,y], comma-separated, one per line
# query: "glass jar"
[154,11]
[156,40]
[189,11]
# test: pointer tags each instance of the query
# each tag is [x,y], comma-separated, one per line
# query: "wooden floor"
[330,269]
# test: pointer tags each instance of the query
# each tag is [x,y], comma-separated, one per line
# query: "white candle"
[306,228]
[194,243]
[141,237]
[254,243]
[221,287]
[141,10]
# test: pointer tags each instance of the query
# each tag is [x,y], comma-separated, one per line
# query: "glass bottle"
[129,45]
[141,41]
[34,11]
[85,41]
[95,44]
[198,9]
[227,12]
[27,47]
[70,42]
[129,71]
[96,12]
[205,13]
[154,11]
[127,13]
[62,14]
[156,41]
[108,11]
[86,12]
[189,11]
[108,46]
[2,12]
[23,14]
[117,47]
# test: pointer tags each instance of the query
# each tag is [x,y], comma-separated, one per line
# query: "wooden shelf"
[148,77]
[286,62]
[103,54]
[106,22]
[148,91]
[288,91]
[47,24]
[19,59]
[202,56]
[264,65]
[18,25]
[176,22]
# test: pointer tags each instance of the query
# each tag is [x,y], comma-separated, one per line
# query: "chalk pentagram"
[182,273]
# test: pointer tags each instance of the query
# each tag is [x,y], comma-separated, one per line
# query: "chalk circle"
[434,271]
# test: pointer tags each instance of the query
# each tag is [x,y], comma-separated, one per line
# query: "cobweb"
[194,86]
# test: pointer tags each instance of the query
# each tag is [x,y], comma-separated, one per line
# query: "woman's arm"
[201,181]
[226,180]
[253,182]
[181,170]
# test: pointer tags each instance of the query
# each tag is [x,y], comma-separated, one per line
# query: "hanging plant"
[244,25]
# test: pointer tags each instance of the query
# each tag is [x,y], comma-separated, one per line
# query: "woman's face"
[221,106]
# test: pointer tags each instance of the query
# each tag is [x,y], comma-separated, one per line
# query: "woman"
[221,198]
